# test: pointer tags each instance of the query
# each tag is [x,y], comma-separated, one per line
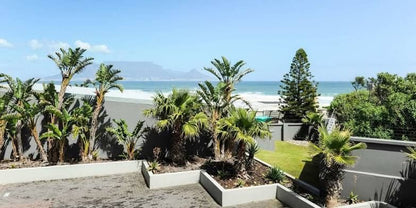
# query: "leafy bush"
[275,174]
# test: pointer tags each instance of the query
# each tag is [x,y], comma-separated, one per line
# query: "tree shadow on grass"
[310,172]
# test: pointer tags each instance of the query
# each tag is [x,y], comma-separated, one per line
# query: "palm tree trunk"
[94,123]
[241,156]
[217,151]
[178,151]
[37,140]
[62,150]
[19,139]
[3,124]
[61,94]
[14,148]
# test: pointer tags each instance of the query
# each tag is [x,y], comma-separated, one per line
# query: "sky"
[343,39]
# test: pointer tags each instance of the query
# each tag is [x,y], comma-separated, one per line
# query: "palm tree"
[180,113]
[242,128]
[60,134]
[106,78]
[315,120]
[69,62]
[3,122]
[228,74]
[81,127]
[29,114]
[18,92]
[335,151]
[11,132]
[125,137]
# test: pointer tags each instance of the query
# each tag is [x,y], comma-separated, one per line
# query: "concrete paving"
[126,190]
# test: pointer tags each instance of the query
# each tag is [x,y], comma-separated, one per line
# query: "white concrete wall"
[23,175]
[292,199]
[164,180]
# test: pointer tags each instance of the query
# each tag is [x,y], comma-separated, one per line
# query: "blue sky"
[343,39]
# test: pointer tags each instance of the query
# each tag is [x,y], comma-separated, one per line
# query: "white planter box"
[169,179]
[230,197]
[293,199]
[23,175]
[369,204]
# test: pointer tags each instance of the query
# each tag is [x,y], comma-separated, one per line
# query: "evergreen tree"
[298,90]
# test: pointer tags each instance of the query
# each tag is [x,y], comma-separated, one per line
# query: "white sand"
[258,101]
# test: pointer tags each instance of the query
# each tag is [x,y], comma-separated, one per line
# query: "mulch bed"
[192,164]
[224,173]
[9,164]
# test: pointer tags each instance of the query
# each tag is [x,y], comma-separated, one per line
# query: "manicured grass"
[293,159]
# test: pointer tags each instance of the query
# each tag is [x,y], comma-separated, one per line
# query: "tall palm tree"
[242,128]
[69,62]
[335,151]
[228,74]
[106,78]
[81,127]
[18,92]
[125,137]
[180,113]
[60,134]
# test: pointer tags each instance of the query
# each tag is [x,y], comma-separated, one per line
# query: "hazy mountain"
[139,71]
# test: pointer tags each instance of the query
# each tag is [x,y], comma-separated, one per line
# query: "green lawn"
[293,159]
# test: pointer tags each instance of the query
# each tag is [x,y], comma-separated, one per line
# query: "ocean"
[326,89]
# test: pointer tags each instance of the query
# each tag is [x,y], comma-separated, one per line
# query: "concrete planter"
[293,199]
[163,180]
[23,175]
[230,197]
[369,204]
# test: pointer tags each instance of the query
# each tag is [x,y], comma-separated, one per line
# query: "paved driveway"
[126,190]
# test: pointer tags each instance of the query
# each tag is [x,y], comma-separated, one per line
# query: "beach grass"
[293,159]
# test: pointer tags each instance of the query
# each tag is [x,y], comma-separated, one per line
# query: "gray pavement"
[126,190]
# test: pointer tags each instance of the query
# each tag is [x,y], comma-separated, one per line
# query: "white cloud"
[33,57]
[5,43]
[93,48]
[35,44]
[55,45]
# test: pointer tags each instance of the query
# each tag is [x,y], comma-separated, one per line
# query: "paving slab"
[124,190]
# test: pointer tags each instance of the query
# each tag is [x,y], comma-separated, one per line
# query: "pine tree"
[298,90]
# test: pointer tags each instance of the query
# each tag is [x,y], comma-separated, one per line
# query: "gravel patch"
[125,190]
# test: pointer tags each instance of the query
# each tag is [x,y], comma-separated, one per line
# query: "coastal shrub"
[386,109]
[275,174]
[298,90]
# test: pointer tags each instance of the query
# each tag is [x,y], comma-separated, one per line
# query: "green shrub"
[275,174]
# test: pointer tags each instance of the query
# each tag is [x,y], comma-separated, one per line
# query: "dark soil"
[225,174]
[9,164]
[192,164]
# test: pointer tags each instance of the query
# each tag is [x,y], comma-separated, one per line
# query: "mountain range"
[139,71]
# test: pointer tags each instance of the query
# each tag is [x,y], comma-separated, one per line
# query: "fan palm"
[315,120]
[242,128]
[106,78]
[336,152]
[180,113]
[125,137]
[60,134]
[228,74]
[69,62]
[17,93]
[81,127]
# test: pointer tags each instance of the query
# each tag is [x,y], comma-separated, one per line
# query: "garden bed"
[22,175]
[169,179]
[10,164]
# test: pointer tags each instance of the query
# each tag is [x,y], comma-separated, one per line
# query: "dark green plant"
[241,127]
[252,150]
[315,120]
[81,126]
[359,83]
[352,198]
[275,174]
[154,166]
[335,151]
[298,91]
[179,113]
[125,137]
